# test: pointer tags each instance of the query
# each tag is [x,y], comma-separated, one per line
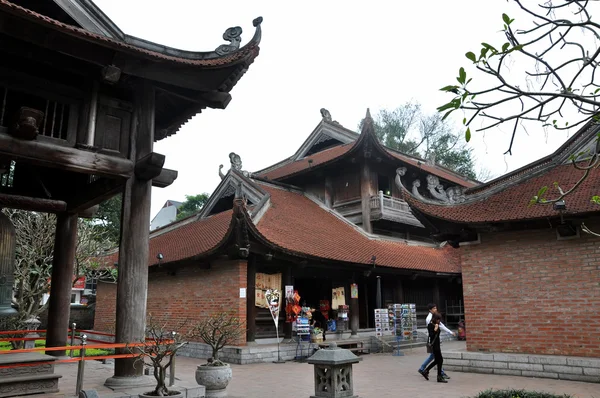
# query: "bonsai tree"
[159,346]
[218,330]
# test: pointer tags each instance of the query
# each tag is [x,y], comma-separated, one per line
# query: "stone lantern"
[333,372]
[7,265]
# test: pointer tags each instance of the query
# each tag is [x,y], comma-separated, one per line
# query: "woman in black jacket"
[434,340]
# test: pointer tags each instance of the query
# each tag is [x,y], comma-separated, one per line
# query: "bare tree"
[218,330]
[35,250]
[545,72]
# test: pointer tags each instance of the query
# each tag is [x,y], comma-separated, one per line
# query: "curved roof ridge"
[223,55]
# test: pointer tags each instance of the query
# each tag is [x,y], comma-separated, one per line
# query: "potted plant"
[217,330]
[159,346]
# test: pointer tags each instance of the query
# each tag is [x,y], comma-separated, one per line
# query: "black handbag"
[430,345]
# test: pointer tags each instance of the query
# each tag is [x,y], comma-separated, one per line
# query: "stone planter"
[214,379]
[174,394]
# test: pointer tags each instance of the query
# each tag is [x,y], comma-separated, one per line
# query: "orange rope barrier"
[98,333]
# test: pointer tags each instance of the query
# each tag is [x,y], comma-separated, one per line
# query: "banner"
[354,291]
[273,298]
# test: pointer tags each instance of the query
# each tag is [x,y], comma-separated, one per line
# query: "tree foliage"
[192,205]
[407,130]
[543,71]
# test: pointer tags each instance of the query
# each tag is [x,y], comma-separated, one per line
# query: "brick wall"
[528,292]
[191,294]
[106,303]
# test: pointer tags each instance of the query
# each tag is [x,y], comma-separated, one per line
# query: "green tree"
[192,205]
[542,71]
[407,130]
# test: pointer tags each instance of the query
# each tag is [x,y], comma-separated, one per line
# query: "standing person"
[432,310]
[434,340]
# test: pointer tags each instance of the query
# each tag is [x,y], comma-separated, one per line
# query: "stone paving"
[376,376]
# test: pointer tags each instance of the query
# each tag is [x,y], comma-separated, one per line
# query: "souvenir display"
[324,308]
[342,318]
[382,323]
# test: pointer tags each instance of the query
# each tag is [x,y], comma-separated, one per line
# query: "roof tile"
[512,203]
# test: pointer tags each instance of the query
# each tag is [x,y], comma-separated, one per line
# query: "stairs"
[27,380]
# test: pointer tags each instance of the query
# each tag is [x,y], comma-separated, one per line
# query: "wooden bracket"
[165,178]
[150,166]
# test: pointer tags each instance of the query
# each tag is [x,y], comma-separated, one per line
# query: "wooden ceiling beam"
[32,204]
[65,158]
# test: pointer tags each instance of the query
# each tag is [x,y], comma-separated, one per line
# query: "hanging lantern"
[7,265]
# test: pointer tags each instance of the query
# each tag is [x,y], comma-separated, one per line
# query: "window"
[383,184]
[74,298]
[91,284]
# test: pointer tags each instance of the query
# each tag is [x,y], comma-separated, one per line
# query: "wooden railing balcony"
[384,207]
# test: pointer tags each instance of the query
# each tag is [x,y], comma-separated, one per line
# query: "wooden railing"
[385,202]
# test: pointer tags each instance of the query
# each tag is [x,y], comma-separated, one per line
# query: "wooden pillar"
[251,301]
[354,309]
[399,292]
[378,301]
[287,280]
[132,282]
[365,195]
[59,308]
[328,192]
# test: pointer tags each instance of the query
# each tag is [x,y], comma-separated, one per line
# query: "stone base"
[544,366]
[27,380]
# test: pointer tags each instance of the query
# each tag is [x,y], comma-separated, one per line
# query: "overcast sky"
[345,56]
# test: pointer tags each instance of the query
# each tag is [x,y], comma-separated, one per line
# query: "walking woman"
[434,341]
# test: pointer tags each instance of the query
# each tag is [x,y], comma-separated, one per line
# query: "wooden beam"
[32,204]
[165,178]
[93,194]
[66,158]
[150,166]
[365,196]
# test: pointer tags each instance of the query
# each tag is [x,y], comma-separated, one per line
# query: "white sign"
[289,291]
[242,292]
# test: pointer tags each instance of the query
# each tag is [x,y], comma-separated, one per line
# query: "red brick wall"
[106,302]
[191,294]
[528,292]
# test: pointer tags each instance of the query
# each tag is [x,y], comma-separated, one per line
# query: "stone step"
[28,384]
[44,364]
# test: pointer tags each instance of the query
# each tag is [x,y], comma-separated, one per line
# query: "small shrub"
[518,394]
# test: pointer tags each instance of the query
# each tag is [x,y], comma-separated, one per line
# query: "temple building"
[329,217]
[81,105]
[347,216]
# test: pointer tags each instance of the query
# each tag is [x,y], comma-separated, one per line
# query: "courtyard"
[376,376]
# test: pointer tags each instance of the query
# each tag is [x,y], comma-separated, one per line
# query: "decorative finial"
[326,115]
[220,172]
[368,114]
[234,36]
[257,21]
[236,161]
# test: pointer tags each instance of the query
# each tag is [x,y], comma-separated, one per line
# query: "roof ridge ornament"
[234,36]
[326,115]
[451,195]
[236,164]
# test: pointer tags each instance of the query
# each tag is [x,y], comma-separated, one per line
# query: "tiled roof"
[331,154]
[319,158]
[512,203]
[300,226]
[249,51]
[186,240]
[297,225]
